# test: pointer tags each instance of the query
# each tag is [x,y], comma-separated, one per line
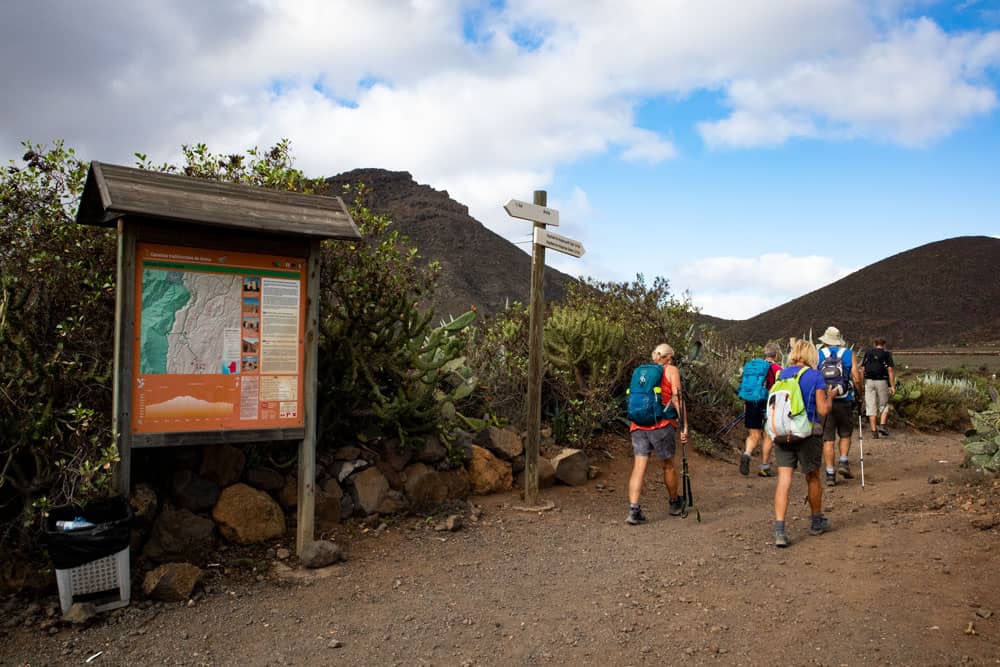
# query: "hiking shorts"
[806,453]
[660,440]
[876,397]
[840,421]
[754,415]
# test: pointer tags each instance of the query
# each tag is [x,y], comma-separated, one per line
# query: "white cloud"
[741,287]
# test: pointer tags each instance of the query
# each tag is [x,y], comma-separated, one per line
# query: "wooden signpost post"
[539,214]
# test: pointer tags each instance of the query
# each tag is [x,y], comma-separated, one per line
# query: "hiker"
[757,378]
[658,386]
[806,449]
[836,364]
[880,383]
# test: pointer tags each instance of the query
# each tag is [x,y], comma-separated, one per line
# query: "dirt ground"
[907,576]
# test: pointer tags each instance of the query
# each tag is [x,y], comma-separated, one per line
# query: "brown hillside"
[478,266]
[942,293]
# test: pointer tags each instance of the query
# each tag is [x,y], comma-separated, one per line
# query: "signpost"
[539,214]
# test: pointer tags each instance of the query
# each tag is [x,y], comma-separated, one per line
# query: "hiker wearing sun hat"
[836,363]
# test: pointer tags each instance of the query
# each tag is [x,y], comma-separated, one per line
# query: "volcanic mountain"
[942,293]
[478,267]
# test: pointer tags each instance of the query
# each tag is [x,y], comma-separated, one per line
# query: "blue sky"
[749,152]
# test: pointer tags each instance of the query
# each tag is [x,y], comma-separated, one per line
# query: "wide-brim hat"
[832,337]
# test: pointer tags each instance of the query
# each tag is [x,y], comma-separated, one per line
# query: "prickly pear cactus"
[982,448]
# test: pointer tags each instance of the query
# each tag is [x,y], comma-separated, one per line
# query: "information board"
[219,340]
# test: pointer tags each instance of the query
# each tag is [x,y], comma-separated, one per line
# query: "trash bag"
[109,534]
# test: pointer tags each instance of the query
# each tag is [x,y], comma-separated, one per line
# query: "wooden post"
[121,406]
[535,342]
[305,528]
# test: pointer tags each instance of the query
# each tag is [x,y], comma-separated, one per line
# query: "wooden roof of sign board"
[112,192]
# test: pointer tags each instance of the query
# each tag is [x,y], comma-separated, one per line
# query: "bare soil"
[907,576]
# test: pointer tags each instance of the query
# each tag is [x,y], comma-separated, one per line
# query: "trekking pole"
[861,450]
[686,477]
[731,425]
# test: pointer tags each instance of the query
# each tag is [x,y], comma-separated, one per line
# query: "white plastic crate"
[108,575]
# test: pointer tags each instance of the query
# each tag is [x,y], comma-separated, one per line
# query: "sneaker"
[883,431]
[676,506]
[635,517]
[844,470]
[765,472]
[875,434]
[744,464]
[780,539]
[819,527]
[831,479]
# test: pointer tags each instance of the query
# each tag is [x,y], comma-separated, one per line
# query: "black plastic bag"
[112,519]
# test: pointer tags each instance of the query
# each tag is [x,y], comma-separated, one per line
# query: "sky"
[749,152]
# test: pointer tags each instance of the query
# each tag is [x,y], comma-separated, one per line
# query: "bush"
[936,401]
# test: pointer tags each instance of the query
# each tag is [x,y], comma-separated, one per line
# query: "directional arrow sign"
[521,209]
[559,243]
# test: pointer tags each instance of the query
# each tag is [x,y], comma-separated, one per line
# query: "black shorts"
[840,421]
[806,454]
[754,415]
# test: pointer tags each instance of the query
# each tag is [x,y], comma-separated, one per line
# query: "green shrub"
[936,401]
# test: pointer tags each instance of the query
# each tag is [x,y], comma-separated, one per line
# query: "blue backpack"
[644,405]
[752,387]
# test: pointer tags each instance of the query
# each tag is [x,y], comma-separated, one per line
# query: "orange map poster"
[219,340]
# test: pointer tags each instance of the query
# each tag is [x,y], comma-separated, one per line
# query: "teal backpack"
[752,387]
[644,395]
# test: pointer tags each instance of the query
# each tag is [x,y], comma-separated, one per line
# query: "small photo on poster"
[251,285]
[251,324]
[251,305]
[250,345]
[249,364]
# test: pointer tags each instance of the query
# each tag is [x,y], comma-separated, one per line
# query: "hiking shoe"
[875,434]
[765,472]
[676,507]
[744,464]
[831,479]
[844,470]
[635,517]
[883,431]
[818,527]
[780,539]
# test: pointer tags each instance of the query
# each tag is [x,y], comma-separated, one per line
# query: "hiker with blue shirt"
[843,377]
[655,404]
[757,378]
[803,448]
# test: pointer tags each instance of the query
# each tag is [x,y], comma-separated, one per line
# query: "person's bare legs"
[814,491]
[669,478]
[765,452]
[638,477]
[753,437]
[781,491]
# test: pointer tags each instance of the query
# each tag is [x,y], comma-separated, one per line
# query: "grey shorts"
[660,440]
[876,397]
[840,421]
[806,453]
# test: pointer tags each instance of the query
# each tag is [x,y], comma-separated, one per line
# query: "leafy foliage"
[936,401]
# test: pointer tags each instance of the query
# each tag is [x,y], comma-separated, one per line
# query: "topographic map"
[190,322]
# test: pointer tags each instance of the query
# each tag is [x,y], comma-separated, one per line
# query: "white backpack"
[787,420]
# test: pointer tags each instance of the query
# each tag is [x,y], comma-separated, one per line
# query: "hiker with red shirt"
[753,417]
[659,437]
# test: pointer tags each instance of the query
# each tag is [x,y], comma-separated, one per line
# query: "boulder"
[395,478]
[144,503]
[327,509]
[247,516]
[348,453]
[321,554]
[180,534]
[397,456]
[369,489]
[80,613]
[265,479]
[503,443]
[222,464]
[393,502]
[172,582]
[571,467]
[546,475]
[288,496]
[193,492]
[431,451]
[425,485]
[487,473]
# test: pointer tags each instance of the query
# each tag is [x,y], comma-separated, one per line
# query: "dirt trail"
[904,571]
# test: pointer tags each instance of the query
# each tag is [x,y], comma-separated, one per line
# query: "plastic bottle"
[77,523]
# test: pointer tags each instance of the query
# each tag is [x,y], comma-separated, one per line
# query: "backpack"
[875,365]
[787,420]
[644,405]
[752,382]
[834,373]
